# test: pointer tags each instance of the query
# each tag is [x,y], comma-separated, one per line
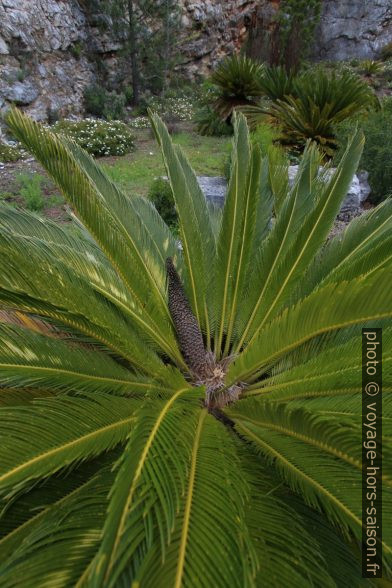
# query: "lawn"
[135,172]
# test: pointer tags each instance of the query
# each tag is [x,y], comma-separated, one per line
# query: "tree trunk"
[132,38]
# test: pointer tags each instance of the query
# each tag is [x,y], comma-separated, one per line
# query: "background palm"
[113,470]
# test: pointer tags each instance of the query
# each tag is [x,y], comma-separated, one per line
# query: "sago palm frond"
[189,414]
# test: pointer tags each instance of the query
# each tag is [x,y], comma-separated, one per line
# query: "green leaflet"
[189,558]
[197,236]
[40,438]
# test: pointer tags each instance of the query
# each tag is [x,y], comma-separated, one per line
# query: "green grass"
[136,172]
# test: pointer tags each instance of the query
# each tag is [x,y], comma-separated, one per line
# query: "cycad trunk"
[205,370]
[187,328]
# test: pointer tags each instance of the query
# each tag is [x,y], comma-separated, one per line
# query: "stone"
[214,189]
[353,29]
[358,192]
[3,47]
[20,93]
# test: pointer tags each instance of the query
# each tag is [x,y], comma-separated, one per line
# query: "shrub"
[237,80]
[95,100]
[173,107]
[9,153]
[161,196]
[98,137]
[7,197]
[128,93]
[386,52]
[377,154]
[319,102]
[140,122]
[369,67]
[209,123]
[31,190]
[114,106]
[265,136]
[131,452]
[276,83]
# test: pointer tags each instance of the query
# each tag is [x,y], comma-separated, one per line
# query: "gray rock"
[214,189]
[358,192]
[20,93]
[353,29]
[3,47]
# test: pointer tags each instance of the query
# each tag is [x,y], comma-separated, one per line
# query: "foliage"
[76,50]
[319,101]
[297,21]
[276,83]
[386,52]
[140,122]
[237,80]
[370,67]
[31,190]
[173,107]
[98,137]
[94,99]
[9,153]
[114,107]
[133,455]
[100,102]
[147,28]
[264,137]
[377,154]
[210,124]
[161,196]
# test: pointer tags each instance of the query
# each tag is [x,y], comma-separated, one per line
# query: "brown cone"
[187,328]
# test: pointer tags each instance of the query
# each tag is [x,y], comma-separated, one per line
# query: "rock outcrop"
[39,62]
[50,50]
[353,29]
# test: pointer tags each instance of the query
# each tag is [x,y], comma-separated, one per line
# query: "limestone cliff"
[50,50]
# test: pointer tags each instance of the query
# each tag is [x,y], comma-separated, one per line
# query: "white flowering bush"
[98,137]
[140,122]
[10,153]
[169,108]
[178,108]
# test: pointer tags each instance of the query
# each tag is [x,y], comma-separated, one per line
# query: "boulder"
[214,189]
[20,93]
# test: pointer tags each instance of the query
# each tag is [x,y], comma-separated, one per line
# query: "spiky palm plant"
[238,81]
[188,416]
[312,106]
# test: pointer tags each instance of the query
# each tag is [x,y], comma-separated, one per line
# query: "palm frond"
[196,231]
[237,229]
[198,549]
[295,255]
[31,360]
[56,545]
[121,246]
[324,481]
[327,309]
[353,246]
[334,370]
[155,458]
[44,276]
[295,557]
[46,435]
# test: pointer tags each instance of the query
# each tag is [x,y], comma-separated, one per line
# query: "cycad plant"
[313,105]
[188,416]
[238,81]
